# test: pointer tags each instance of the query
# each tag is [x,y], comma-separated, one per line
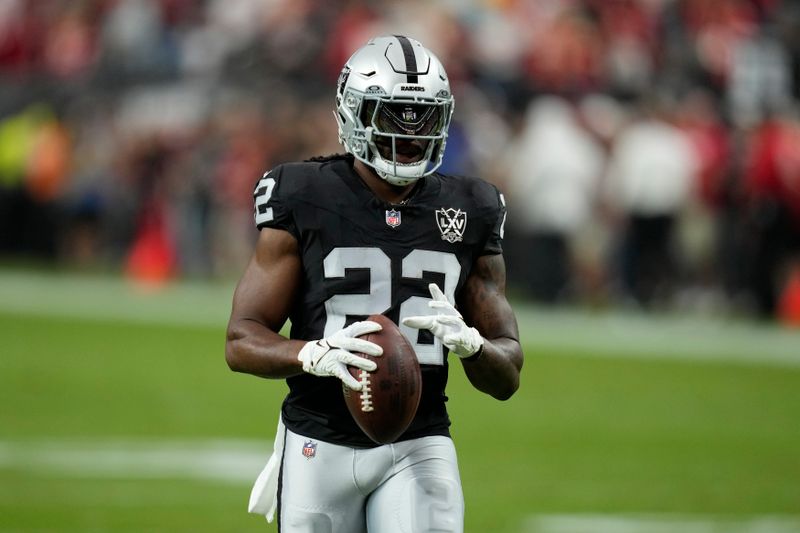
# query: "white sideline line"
[609,334]
[106,298]
[228,461]
[660,337]
[660,523]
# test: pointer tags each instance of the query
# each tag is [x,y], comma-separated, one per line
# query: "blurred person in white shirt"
[651,177]
[555,166]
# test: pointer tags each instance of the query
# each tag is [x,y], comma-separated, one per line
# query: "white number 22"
[379,297]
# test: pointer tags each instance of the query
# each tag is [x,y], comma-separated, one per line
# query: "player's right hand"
[331,356]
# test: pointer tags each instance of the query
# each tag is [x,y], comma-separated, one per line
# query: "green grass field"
[129,420]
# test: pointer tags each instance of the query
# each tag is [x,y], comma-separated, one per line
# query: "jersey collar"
[425,188]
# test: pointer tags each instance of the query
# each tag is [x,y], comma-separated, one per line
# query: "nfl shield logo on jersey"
[452,223]
[309,449]
[393,217]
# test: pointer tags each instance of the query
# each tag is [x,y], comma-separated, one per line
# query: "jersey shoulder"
[483,205]
[289,186]
[292,178]
[484,195]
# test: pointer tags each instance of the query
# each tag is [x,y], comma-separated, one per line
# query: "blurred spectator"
[759,77]
[245,152]
[554,168]
[629,31]
[651,174]
[135,44]
[711,218]
[35,156]
[772,187]
[568,54]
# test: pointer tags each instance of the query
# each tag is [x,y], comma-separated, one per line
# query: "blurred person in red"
[568,55]
[772,196]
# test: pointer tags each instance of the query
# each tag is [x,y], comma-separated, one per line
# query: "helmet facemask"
[406,139]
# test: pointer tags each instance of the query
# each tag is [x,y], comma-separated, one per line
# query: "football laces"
[366,391]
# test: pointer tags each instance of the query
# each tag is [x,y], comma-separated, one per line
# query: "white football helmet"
[394,89]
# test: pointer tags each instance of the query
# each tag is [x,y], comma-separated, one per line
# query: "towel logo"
[452,223]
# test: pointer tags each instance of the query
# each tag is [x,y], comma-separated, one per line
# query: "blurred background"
[649,151]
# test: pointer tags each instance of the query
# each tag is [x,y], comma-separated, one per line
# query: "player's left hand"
[448,325]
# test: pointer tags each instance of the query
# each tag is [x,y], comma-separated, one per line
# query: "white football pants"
[407,487]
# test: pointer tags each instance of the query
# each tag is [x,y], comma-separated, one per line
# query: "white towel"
[264,496]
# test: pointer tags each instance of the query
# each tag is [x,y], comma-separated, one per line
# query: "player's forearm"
[252,348]
[496,370]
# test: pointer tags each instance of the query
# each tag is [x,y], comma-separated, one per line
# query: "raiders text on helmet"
[393,108]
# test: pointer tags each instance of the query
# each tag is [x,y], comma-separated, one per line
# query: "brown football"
[386,405]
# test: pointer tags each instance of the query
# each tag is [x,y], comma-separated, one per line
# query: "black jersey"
[363,256]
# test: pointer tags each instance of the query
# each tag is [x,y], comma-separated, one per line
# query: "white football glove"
[332,355]
[448,325]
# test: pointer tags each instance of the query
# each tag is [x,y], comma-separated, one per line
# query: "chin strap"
[395,180]
[382,168]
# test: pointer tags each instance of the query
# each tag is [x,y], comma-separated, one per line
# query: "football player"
[374,231]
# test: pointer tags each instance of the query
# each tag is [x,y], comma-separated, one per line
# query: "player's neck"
[381,188]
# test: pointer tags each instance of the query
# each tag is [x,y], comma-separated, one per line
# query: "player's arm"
[261,305]
[496,367]
[490,349]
